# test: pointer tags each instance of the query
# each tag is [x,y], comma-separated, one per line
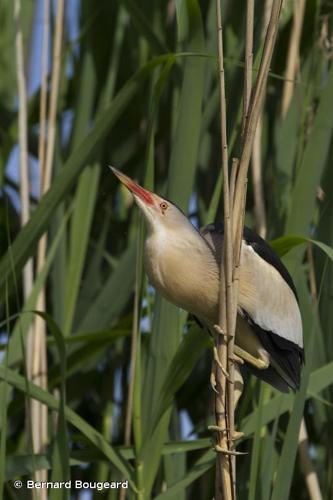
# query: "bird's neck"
[182,268]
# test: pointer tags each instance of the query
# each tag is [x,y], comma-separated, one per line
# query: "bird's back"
[268,303]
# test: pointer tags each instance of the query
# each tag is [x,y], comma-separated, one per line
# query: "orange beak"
[143,194]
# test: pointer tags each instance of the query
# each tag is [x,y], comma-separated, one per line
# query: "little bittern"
[183,264]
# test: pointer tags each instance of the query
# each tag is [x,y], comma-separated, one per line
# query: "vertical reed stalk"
[248,59]
[307,466]
[38,361]
[23,145]
[234,209]
[254,112]
[224,478]
[134,355]
[308,469]
[293,55]
[23,139]
[259,200]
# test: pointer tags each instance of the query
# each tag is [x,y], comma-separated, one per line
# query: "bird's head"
[158,212]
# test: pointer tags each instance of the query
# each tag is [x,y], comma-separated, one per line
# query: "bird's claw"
[219,364]
[219,330]
[216,428]
[213,382]
[235,435]
[236,359]
[219,449]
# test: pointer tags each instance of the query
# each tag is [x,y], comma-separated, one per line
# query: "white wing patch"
[267,298]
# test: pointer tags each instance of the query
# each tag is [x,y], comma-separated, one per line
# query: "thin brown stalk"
[254,111]
[39,334]
[23,144]
[23,139]
[293,55]
[233,177]
[43,93]
[259,200]
[224,474]
[134,348]
[312,274]
[248,59]
[307,467]
[53,103]
[24,195]
[46,153]
[134,345]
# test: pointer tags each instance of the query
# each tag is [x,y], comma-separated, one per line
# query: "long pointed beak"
[136,189]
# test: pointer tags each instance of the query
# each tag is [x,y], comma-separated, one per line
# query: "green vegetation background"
[144,97]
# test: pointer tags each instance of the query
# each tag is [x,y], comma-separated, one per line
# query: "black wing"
[287,357]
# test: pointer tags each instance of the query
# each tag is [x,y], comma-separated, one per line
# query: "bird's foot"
[213,381]
[246,356]
[219,330]
[219,449]
[219,364]
[235,435]
[236,359]
[216,428]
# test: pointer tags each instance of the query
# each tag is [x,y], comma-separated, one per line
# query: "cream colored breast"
[184,271]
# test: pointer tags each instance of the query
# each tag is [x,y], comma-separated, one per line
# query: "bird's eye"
[163,206]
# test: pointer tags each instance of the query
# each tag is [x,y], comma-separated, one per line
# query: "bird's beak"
[140,192]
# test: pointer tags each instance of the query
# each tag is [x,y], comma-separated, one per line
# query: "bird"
[183,265]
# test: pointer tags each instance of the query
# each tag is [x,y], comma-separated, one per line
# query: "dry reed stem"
[224,487]
[46,153]
[23,140]
[293,55]
[248,59]
[307,467]
[56,67]
[254,111]
[233,231]
[23,144]
[259,201]
[43,93]
[134,348]
[134,344]
[40,305]
[24,196]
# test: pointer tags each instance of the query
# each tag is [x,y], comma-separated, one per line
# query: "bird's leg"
[229,452]
[226,432]
[219,330]
[218,362]
[215,428]
[236,359]
[236,434]
[256,362]
[240,355]
[239,384]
